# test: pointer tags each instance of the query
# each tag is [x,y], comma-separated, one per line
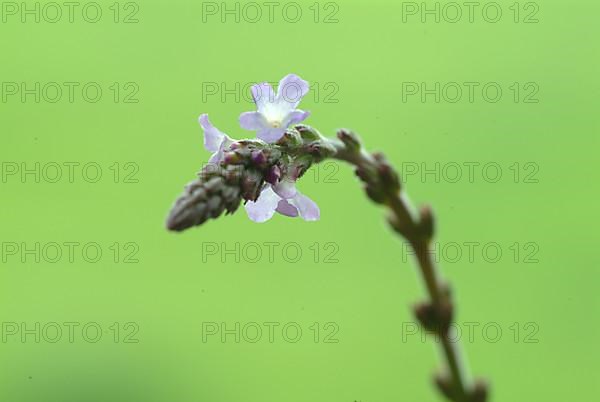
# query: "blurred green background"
[512,173]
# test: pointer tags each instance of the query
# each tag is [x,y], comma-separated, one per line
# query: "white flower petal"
[263,209]
[287,209]
[270,134]
[212,136]
[253,121]
[262,94]
[294,117]
[286,188]
[309,210]
[292,89]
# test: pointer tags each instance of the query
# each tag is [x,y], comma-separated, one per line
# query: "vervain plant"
[263,172]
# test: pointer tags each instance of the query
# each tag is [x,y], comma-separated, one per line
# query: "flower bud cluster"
[241,174]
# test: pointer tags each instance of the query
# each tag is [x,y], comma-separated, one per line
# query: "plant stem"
[248,164]
[459,389]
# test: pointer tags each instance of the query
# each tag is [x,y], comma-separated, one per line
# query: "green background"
[359,64]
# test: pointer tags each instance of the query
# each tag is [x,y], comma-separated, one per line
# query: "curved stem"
[402,211]
[248,164]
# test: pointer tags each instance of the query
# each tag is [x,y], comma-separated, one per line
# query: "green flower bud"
[320,150]
[308,133]
[290,139]
[350,139]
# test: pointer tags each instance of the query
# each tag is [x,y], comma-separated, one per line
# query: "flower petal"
[263,209]
[270,134]
[218,156]
[292,89]
[309,211]
[253,121]
[286,188]
[294,117]
[276,113]
[262,94]
[212,136]
[287,209]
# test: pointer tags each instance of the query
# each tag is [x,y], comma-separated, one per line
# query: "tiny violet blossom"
[215,141]
[282,197]
[275,113]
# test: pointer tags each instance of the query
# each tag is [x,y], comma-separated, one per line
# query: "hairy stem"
[455,386]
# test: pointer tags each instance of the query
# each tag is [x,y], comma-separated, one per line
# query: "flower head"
[259,172]
[276,112]
[215,141]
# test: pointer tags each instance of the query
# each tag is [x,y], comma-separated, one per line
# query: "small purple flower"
[284,198]
[214,140]
[276,112]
